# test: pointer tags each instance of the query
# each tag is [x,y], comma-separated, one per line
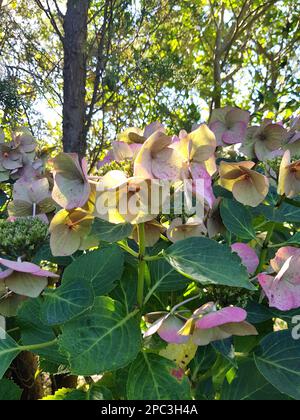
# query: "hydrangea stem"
[142,264]
[264,251]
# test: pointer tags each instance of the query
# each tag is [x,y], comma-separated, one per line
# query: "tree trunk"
[75,58]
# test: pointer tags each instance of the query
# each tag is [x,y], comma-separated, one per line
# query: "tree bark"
[75,62]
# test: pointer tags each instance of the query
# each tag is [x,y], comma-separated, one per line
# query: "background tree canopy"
[127,63]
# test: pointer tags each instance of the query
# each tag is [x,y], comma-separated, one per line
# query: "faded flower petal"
[248,256]
[289,176]
[71,186]
[248,187]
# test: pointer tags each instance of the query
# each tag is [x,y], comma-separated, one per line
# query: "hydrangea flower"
[197,149]
[289,176]
[248,256]
[229,125]
[157,159]
[293,139]
[167,326]
[131,140]
[69,230]
[31,198]
[71,186]
[248,186]
[24,278]
[283,289]
[265,140]
[208,324]
[125,200]
[10,156]
[153,230]
[178,230]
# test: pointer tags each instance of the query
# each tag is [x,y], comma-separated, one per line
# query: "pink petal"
[282,255]
[218,128]
[248,256]
[236,134]
[282,291]
[26,267]
[199,172]
[224,316]
[169,331]
[6,273]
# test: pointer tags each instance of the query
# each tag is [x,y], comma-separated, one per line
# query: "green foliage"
[102,268]
[9,391]
[237,219]
[278,360]
[208,262]
[152,377]
[104,338]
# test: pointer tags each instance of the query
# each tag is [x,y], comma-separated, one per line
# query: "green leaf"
[295,240]
[165,278]
[102,268]
[257,314]
[9,350]
[109,232]
[3,198]
[67,301]
[45,254]
[104,338]
[278,360]
[151,378]
[226,349]
[34,331]
[237,219]
[208,262]
[286,213]
[126,290]
[250,385]
[9,391]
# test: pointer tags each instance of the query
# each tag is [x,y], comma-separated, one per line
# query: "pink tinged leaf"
[168,331]
[224,316]
[26,267]
[178,373]
[248,256]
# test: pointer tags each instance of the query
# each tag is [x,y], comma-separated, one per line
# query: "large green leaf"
[102,268]
[9,350]
[208,262]
[286,213]
[237,219]
[295,240]
[152,377]
[278,360]
[34,331]
[249,384]
[109,232]
[126,291]
[9,391]
[67,301]
[104,338]
[165,278]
